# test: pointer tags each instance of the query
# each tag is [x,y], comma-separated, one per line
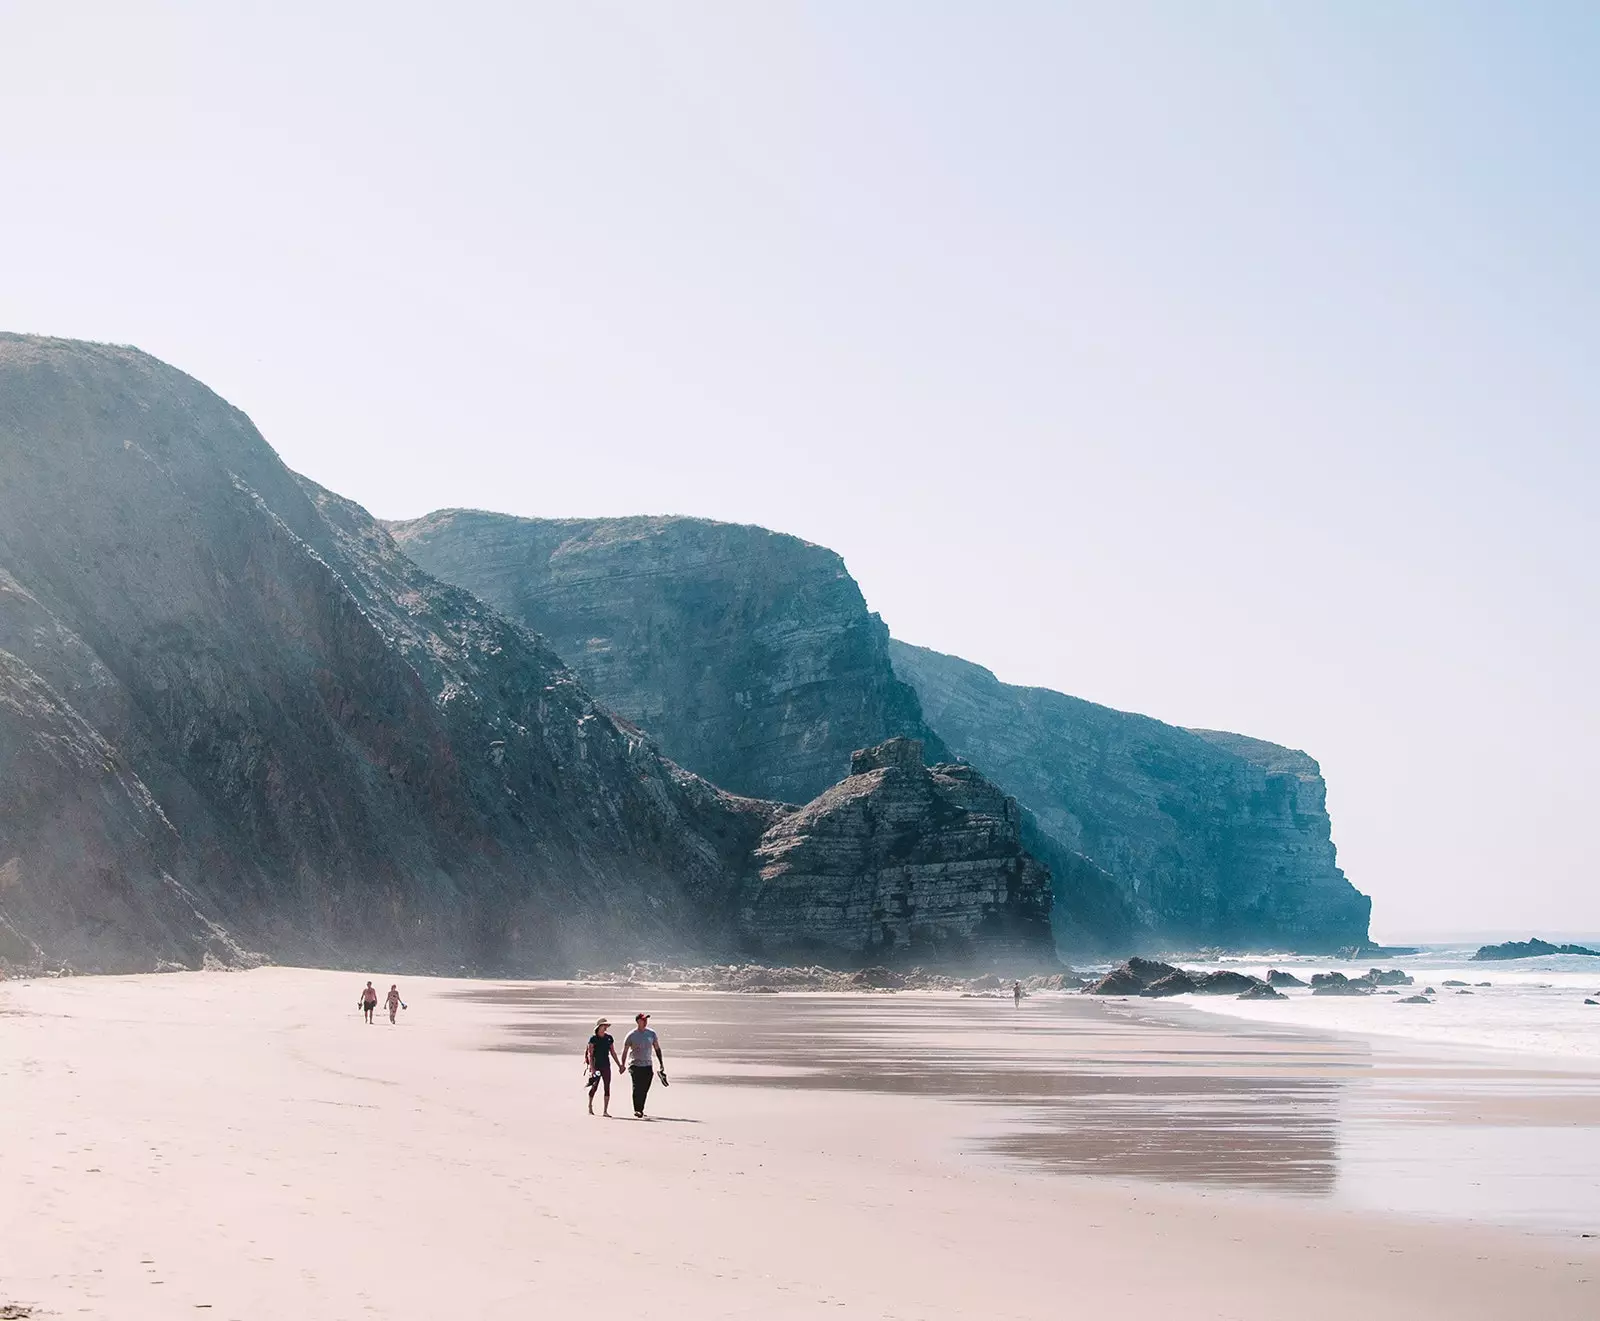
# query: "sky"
[1231,362]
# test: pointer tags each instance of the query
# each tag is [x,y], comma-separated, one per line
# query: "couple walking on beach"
[369,1001]
[641,1046]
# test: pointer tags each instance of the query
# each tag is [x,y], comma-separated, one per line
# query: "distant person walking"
[637,1051]
[597,1057]
[393,1001]
[1016,997]
[368,1001]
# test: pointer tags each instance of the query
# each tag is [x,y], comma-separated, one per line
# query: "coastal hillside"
[1213,838]
[752,657]
[235,719]
[238,723]
[749,654]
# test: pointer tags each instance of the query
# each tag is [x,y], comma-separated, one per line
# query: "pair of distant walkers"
[641,1053]
[369,1001]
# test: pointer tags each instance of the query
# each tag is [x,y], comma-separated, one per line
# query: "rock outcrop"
[900,861]
[1221,982]
[1132,977]
[750,656]
[235,718]
[1155,980]
[1212,838]
[1533,948]
[1336,983]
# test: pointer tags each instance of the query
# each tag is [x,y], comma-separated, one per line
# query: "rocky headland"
[752,657]
[1210,837]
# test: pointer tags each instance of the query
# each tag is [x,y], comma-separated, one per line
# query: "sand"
[241,1145]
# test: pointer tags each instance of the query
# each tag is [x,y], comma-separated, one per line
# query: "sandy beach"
[241,1145]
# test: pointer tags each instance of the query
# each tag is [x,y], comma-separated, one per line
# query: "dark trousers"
[600,1076]
[643,1076]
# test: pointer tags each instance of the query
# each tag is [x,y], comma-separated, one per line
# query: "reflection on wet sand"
[1072,1085]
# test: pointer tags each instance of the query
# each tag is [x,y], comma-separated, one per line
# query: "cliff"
[235,718]
[749,655]
[1212,838]
[752,658]
[900,862]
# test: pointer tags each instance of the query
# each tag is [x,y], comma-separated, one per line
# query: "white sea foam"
[1531,1006]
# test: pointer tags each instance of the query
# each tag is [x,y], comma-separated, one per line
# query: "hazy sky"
[1235,363]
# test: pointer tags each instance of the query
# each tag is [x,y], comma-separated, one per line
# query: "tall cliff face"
[234,716]
[749,655]
[1213,838]
[898,861]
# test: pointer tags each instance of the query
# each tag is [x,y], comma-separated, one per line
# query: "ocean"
[1525,1006]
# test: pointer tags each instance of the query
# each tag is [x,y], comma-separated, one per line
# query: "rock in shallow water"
[1529,949]
[1336,983]
[1155,980]
[1131,977]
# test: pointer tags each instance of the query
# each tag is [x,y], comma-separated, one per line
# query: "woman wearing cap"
[597,1059]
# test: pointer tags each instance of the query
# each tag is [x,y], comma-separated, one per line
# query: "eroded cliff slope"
[1213,838]
[750,655]
[234,717]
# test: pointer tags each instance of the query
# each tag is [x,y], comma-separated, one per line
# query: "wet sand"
[1125,1089]
[241,1145]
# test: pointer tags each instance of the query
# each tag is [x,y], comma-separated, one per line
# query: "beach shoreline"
[241,1144]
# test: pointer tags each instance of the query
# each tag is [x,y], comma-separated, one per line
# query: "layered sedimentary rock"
[900,861]
[235,718]
[749,655]
[1211,838]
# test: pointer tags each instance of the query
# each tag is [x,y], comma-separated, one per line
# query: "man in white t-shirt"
[636,1057]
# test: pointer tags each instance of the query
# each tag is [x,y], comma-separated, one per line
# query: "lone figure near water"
[636,1054]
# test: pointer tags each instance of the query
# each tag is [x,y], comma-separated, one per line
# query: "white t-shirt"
[640,1048]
